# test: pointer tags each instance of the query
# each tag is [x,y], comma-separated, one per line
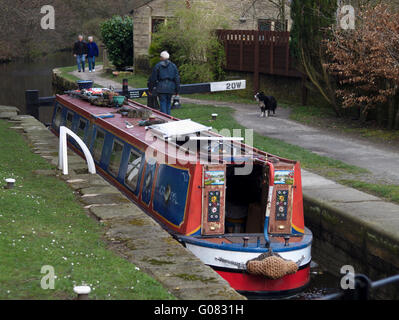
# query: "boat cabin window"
[116,157]
[82,128]
[133,170]
[58,117]
[69,120]
[98,144]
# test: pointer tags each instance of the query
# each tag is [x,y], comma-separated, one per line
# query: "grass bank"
[66,74]
[41,223]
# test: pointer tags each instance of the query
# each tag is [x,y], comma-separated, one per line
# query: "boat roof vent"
[178,128]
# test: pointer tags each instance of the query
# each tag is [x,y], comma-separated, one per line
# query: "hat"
[165,55]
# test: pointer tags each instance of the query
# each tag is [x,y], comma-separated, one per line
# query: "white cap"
[165,55]
[10,180]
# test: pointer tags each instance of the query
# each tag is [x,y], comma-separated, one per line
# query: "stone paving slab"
[7,112]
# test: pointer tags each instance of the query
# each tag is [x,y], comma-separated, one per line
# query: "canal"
[21,75]
[18,76]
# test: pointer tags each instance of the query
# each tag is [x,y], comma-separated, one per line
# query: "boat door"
[213,199]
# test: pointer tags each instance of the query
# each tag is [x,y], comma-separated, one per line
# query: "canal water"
[18,76]
[21,75]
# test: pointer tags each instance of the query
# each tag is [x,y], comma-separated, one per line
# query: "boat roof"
[171,128]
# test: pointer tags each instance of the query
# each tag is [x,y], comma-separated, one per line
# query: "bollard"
[125,88]
[361,291]
[287,240]
[82,292]
[214,116]
[10,183]
[32,103]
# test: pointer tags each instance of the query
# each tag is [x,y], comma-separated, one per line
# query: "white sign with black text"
[228,85]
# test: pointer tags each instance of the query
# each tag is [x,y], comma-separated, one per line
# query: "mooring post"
[125,87]
[362,289]
[32,103]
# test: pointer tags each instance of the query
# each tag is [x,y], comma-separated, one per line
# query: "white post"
[63,152]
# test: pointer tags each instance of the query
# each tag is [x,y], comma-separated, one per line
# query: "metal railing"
[363,288]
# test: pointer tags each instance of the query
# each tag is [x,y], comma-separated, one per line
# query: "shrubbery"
[117,35]
[191,40]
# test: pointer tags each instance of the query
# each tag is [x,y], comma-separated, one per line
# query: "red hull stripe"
[249,282]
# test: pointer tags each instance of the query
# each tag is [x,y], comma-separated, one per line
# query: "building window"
[265,25]
[133,170]
[272,25]
[98,144]
[156,24]
[116,157]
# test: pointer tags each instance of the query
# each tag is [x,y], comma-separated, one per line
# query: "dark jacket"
[165,78]
[79,48]
[92,49]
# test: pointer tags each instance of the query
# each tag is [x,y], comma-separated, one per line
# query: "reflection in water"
[18,76]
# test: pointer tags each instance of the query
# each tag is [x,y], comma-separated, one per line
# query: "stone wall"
[341,239]
[234,10]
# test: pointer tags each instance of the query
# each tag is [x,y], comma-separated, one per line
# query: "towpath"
[382,161]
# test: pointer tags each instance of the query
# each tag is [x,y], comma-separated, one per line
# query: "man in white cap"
[164,82]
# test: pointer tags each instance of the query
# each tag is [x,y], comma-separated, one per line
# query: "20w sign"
[228,85]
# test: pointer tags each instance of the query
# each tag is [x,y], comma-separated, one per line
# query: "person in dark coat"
[92,53]
[80,52]
[165,82]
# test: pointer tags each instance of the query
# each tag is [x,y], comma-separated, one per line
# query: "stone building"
[242,15]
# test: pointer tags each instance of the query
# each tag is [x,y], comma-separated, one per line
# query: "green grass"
[322,165]
[66,74]
[385,191]
[135,80]
[325,117]
[41,223]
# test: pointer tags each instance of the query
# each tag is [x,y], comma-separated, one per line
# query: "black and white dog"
[266,104]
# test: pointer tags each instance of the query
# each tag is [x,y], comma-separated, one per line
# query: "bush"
[191,40]
[117,35]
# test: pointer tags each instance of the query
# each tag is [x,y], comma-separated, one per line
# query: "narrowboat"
[237,208]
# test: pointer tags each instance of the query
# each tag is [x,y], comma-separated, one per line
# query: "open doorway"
[246,199]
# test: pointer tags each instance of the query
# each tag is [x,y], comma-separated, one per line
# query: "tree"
[281,7]
[366,62]
[311,22]
[190,37]
[117,35]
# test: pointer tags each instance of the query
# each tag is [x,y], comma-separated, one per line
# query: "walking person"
[164,82]
[92,53]
[80,52]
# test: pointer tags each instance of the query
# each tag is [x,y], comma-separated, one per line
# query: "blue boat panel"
[171,189]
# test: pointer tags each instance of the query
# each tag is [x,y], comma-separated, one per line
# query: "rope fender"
[270,265]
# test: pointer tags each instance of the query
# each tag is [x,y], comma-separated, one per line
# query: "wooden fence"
[266,52]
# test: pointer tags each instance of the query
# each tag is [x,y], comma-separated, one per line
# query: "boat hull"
[248,284]
[229,261]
